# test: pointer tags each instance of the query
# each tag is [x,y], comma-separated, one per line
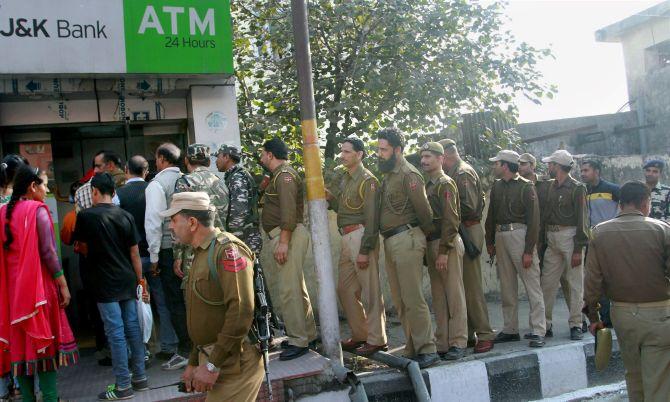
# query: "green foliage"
[416,65]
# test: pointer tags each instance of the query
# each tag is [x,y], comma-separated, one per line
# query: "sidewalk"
[509,369]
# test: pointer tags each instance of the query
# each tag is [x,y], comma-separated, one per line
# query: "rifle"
[262,320]
[275,323]
[470,249]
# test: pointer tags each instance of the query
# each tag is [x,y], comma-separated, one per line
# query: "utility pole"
[316,194]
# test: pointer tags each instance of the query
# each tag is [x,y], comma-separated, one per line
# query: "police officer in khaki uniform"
[219,295]
[282,216]
[405,216]
[565,226]
[629,260]
[471,202]
[445,257]
[527,166]
[512,228]
[354,198]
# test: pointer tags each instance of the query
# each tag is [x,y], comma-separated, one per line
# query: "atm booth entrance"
[66,153]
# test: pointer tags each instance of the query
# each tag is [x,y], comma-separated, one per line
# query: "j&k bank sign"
[115,37]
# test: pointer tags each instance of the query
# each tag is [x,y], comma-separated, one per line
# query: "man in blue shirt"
[602,196]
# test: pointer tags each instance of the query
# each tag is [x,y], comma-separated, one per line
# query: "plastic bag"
[144,315]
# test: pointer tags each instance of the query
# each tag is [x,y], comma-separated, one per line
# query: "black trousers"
[91,305]
[174,298]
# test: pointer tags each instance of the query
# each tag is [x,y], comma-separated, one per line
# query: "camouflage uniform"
[660,202]
[243,208]
[201,179]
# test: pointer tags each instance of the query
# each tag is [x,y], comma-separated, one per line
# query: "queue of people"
[189,241]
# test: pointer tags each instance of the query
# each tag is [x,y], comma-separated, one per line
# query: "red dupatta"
[31,320]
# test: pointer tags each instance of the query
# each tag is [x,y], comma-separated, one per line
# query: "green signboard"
[193,37]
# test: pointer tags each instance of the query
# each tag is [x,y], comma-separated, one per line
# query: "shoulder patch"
[412,185]
[232,260]
[288,178]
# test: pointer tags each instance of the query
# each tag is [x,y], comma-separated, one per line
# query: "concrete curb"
[520,376]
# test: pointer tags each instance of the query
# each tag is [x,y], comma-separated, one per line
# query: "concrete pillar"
[212,115]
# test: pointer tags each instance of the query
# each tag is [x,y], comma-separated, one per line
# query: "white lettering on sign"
[205,26]
[173,11]
[194,20]
[150,20]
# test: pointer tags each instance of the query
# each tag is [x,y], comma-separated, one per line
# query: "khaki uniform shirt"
[220,312]
[628,261]
[442,194]
[514,201]
[566,206]
[283,200]
[403,199]
[541,189]
[355,201]
[470,191]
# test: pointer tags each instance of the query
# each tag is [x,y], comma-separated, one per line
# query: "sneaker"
[140,385]
[164,356]
[576,334]
[115,394]
[176,362]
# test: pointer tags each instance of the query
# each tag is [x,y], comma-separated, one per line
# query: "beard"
[552,174]
[386,165]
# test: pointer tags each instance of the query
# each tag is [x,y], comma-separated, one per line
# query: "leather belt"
[399,229]
[558,228]
[508,227]
[467,224]
[344,230]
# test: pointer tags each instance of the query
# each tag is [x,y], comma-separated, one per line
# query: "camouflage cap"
[433,147]
[528,158]
[197,152]
[228,150]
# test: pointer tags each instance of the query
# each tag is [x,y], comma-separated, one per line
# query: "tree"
[416,65]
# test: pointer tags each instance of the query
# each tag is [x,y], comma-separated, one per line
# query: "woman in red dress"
[35,337]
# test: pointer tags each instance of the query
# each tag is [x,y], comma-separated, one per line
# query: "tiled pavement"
[84,381]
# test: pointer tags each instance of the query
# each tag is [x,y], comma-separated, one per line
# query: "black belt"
[392,232]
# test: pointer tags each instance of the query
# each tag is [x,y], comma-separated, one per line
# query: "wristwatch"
[212,368]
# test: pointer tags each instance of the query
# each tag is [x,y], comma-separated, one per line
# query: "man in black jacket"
[131,198]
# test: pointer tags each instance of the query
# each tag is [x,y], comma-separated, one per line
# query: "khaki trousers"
[451,317]
[643,332]
[294,300]
[557,262]
[242,387]
[478,313]
[359,291]
[404,266]
[509,253]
